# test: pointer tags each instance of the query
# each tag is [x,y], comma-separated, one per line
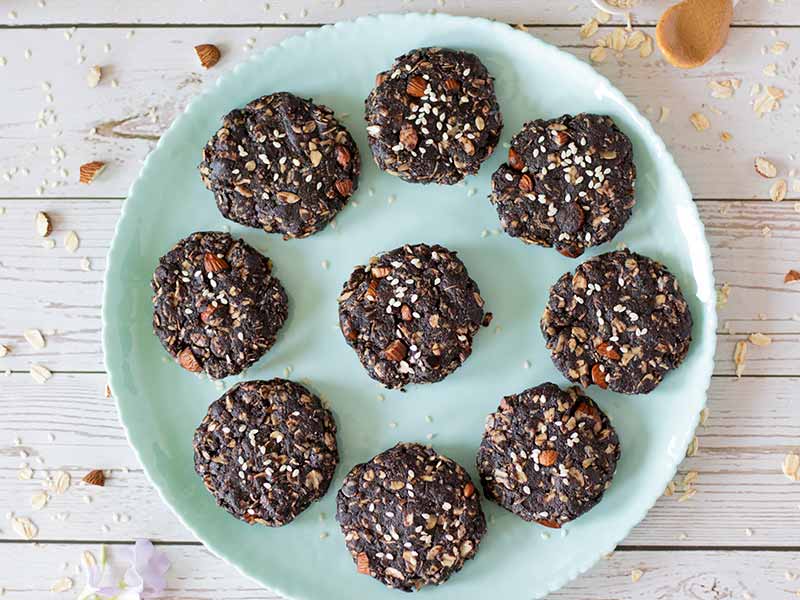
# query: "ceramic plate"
[160,404]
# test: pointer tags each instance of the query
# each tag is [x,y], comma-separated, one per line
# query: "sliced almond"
[664,115]
[89,171]
[40,373]
[619,39]
[700,121]
[791,276]
[694,446]
[94,76]
[777,191]
[759,339]
[71,241]
[35,338]
[43,225]
[765,167]
[636,575]
[208,54]
[4,350]
[721,89]
[24,528]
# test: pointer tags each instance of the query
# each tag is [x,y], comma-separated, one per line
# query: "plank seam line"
[107,25]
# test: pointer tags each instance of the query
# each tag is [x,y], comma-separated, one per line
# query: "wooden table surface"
[738,536]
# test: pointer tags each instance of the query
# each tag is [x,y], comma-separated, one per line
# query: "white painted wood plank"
[157,74]
[325,11]
[48,290]
[68,424]
[680,575]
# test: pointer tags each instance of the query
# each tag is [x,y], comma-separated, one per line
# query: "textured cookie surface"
[217,307]
[620,322]
[411,314]
[568,183]
[547,455]
[410,517]
[433,117]
[281,163]
[266,450]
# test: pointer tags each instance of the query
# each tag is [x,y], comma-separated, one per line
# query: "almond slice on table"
[95,477]
[791,276]
[89,171]
[35,338]
[94,76]
[759,339]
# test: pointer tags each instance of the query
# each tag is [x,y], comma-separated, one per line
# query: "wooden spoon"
[693,31]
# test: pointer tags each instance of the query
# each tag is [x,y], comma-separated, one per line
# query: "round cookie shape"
[547,455]
[266,450]
[217,308]
[620,322]
[433,117]
[568,183]
[411,314]
[410,516]
[281,163]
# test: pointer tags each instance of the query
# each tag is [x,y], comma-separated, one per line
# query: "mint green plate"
[160,404]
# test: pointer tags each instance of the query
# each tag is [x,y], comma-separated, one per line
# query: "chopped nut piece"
[636,575]
[208,54]
[89,171]
[791,276]
[61,482]
[95,477]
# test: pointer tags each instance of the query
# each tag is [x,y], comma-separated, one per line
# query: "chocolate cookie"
[547,455]
[216,306]
[410,517]
[620,322]
[410,314]
[266,450]
[433,117]
[281,163]
[568,183]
